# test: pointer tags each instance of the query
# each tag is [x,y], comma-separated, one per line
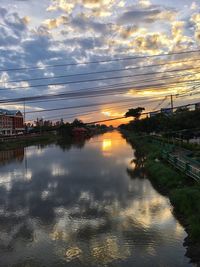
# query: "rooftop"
[8,112]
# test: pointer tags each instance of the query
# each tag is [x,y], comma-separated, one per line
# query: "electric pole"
[172,103]
[24,112]
[25,115]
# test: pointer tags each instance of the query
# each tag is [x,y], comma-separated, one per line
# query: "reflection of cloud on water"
[148,211]
[85,195]
[57,170]
[31,151]
[108,250]
[73,253]
[110,234]
[8,178]
[79,206]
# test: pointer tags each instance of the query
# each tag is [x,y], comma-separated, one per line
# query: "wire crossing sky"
[57,54]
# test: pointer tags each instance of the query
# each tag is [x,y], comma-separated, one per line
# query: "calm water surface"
[84,206]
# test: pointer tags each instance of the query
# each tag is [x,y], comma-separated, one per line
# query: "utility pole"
[172,103]
[24,114]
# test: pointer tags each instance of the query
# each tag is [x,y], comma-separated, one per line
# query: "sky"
[81,41]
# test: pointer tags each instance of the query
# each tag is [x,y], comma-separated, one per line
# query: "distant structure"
[11,122]
[197,106]
[79,132]
[153,114]
[166,111]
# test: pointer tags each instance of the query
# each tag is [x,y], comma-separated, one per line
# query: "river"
[84,205]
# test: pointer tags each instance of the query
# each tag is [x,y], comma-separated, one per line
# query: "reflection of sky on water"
[79,207]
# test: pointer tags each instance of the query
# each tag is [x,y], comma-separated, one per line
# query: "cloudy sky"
[55,38]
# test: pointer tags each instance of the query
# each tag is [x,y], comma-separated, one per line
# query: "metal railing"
[182,165]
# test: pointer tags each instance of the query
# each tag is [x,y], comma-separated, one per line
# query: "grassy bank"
[23,141]
[183,192]
[161,173]
[194,148]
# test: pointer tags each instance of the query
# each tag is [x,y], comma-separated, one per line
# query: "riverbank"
[45,138]
[182,191]
[192,149]
[27,140]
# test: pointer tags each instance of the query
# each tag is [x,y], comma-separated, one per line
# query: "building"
[153,114]
[80,132]
[197,106]
[11,122]
[167,111]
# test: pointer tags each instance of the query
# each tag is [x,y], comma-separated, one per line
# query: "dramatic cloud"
[55,23]
[148,14]
[63,32]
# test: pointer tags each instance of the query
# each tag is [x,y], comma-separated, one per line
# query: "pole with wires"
[25,115]
[172,103]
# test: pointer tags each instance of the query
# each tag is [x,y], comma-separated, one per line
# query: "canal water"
[84,204]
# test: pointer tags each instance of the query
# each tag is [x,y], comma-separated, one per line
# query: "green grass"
[189,146]
[187,202]
[183,192]
[164,175]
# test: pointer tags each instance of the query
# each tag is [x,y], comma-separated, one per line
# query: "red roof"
[79,129]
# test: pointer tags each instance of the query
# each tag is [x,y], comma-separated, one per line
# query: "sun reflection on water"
[107,144]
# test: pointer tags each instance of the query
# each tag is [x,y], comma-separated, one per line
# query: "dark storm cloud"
[139,15]
[3,12]
[7,39]
[146,15]
[37,49]
[82,23]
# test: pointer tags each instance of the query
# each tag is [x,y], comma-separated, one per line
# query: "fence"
[182,165]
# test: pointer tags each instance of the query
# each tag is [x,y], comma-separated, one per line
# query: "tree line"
[183,122]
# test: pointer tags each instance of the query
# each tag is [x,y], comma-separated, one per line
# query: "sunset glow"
[73,47]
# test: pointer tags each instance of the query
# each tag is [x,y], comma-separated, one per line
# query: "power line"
[80,106]
[91,111]
[83,106]
[190,91]
[72,82]
[145,113]
[110,71]
[100,121]
[120,101]
[85,93]
[98,61]
[116,90]
[159,104]
[136,99]
[101,104]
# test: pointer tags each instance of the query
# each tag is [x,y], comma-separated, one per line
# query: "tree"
[134,112]
[77,123]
